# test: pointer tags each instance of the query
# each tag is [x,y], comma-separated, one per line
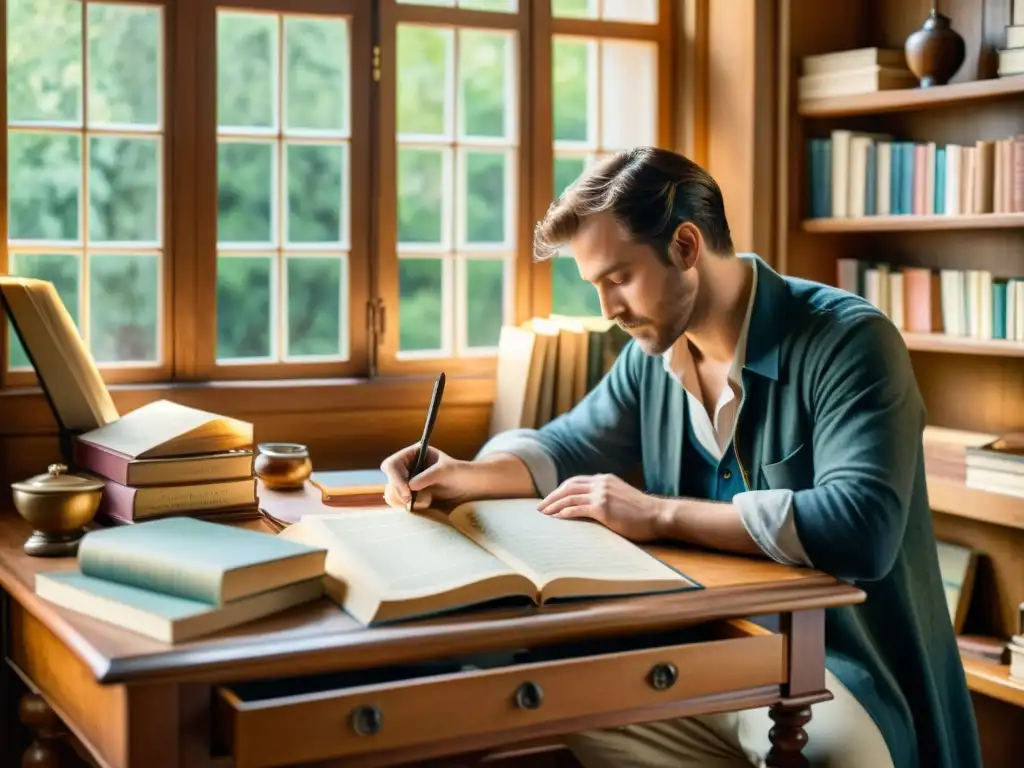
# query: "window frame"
[204,364]
[546,28]
[162,370]
[189,184]
[393,13]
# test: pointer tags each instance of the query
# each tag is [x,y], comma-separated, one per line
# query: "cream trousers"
[840,734]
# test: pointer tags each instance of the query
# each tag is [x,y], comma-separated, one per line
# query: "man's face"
[651,299]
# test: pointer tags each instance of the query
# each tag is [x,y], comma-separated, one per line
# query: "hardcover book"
[197,560]
[388,564]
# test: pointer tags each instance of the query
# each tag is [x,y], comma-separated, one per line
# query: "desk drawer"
[288,722]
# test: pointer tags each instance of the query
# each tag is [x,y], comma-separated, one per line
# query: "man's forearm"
[500,476]
[709,524]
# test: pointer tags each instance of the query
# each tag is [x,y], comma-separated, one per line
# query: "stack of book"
[862,70]
[998,466]
[1011,58]
[945,451]
[547,365]
[180,578]
[165,458]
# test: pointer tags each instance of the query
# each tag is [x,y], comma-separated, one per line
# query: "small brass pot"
[283,466]
[58,506]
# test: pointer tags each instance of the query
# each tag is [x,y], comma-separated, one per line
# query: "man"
[772,417]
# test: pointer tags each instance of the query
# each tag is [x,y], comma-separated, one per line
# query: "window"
[85,171]
[455,165]
[257,189]
[605,98]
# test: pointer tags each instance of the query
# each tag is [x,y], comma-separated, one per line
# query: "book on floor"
[388,564]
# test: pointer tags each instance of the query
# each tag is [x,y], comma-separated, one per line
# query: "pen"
[421,457]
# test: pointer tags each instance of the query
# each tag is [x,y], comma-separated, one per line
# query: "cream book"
[386,564]
[165,428]
[66,370]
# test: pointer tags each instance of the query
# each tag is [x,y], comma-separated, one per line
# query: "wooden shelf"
[954,498]
[993,680]
[962,345]
[909,223]
[910,99]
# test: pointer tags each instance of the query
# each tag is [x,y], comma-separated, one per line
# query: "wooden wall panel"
[741,104]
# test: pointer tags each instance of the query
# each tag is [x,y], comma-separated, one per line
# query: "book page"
[402,554]
[549,548]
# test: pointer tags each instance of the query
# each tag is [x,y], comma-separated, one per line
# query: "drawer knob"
[529,695]
[663,676]
[367,720]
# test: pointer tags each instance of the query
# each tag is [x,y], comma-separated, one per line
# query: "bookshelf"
[912,223]
[968,383]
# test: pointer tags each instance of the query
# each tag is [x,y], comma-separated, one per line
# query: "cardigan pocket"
[795,472]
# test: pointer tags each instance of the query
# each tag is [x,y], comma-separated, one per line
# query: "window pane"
[571,294]
[637,11]
[44,61]
[507,6]
[246,70]
[45,186]
[486,192]
[245,307]
[420,304]
[567,169]
[124,189]
[317,180]
[629,94]
[124,301]
[574,9]
[422,187]
[573,72]
[245,192]
[316,74]
[124,65]
[316,309]
[485,74]
[446,3]
[64,270]
[485,301]
[424,79]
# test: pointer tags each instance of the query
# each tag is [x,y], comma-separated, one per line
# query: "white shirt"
[715,432]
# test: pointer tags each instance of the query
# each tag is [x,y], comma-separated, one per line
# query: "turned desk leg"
[48,733]
[788,736]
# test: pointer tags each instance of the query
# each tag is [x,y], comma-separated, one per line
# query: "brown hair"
[650,191]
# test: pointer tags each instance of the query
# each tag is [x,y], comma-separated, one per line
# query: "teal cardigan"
[829,441]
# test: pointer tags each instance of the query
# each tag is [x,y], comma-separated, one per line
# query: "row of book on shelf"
[853,174]
[968,303]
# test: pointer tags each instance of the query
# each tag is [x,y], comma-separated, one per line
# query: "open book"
[388,564]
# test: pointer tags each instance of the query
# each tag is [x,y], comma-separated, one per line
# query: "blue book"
[999,309]
[940,180]
[896,179]
[871,183]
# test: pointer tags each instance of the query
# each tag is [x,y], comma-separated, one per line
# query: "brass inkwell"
[58,506]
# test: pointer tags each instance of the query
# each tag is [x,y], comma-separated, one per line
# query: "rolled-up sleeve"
[770,518]
[601,434]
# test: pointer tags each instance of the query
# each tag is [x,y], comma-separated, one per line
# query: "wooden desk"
[132,701]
